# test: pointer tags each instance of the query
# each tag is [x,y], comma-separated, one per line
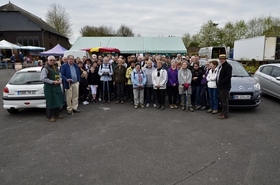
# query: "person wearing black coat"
[197,75]
[224,85]
[94,81]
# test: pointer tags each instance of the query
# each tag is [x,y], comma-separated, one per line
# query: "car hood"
[243,83]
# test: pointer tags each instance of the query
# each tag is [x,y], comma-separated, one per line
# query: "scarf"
[158,72]
[139,76]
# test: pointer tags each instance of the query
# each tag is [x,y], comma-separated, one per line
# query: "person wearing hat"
[224,84]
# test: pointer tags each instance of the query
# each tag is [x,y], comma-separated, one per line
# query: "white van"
[211,52]
[76,53]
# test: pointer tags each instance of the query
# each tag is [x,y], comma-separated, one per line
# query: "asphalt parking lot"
[118,145]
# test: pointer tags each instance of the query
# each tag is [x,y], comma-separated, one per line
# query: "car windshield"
[238,70]
[21,78]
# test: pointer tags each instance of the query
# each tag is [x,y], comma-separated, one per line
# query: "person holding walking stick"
[71,77]
[106,72]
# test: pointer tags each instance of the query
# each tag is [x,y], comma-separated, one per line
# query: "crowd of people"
[142,80]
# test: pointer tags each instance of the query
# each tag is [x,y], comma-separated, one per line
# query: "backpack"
[110,67]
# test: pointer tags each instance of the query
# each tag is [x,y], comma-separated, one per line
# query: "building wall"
[35,38]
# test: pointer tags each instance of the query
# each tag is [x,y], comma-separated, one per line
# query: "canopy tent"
[7,45]
[133,45]
[58,50]
[31,48]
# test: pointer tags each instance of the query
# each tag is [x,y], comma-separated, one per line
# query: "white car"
[24,90]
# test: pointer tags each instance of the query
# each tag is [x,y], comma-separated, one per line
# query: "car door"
[265,78]
[275,84]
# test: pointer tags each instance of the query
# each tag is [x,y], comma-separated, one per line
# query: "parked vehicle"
[262,48]
[245,91]
[24,90]
[76,53]
[268,75]
[211,52]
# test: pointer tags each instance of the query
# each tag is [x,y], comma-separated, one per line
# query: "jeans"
[106,90]
[172,94]
[120,91]
[203,95]
[150,95]
[213,98]
[224,95]
[160,93]
[196,95]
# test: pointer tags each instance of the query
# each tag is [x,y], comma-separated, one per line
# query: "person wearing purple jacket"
[172,85]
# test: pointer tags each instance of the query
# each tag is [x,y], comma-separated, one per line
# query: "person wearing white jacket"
[212,87]
[159,78]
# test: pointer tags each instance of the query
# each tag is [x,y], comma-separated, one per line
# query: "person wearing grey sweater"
[149,91]
[185,89]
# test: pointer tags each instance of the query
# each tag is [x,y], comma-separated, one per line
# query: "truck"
[262,48]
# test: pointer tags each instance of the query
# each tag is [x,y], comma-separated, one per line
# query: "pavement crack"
[198,171]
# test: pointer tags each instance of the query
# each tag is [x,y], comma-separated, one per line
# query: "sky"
[153,18]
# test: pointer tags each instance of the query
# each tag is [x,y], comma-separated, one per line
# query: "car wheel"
[12,111]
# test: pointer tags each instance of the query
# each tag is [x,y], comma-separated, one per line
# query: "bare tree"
[92,31]
[58,18]
[124,31]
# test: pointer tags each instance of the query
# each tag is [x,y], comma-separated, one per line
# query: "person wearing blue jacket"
[71,76]
[138,79]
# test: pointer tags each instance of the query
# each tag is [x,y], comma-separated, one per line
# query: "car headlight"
[257,86]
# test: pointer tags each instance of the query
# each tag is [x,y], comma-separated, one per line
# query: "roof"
[132,45]
[14,18]
[58,50]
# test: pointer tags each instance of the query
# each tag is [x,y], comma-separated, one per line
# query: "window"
[19,40]
[36,41]
[25,42]
[275,72]
[266,70]
[30,41]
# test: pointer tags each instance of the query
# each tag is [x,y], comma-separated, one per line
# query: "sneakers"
[122,102]
[117,102]
[203,108]
[183,108]
[191,109]
[175,106]
[148,105]
[136,107]
[209,111]
[85,102]
[215,111]
[162,108]
[155,105]
[171,106]
[197,107]
[142,106]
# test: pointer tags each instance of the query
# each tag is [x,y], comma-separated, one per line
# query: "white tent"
[7,45]
[31,48]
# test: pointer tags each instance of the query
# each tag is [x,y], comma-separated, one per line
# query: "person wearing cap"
[224,84]
[160,78]
[138,79]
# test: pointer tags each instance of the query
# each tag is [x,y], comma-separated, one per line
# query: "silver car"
[245,91]
[268,75]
